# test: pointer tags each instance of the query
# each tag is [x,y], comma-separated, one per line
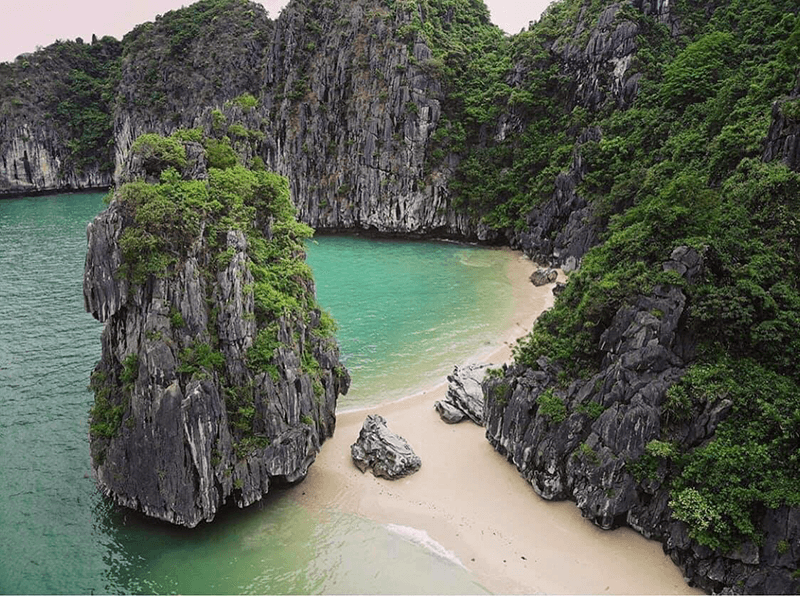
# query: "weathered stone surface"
[387,454]
[607,423]
[783,139]
[543,276]
[464,395]
[562,230]
[448,412]
[176,454]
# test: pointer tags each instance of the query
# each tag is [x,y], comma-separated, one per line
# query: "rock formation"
[386,453]
[592,441]
[205,392]
[544,276]
[464,397]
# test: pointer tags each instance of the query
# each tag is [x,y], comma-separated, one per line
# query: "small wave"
[423,539]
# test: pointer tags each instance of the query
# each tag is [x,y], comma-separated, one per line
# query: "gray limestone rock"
[168,437]
[387,454]
[584,454]
[464,395]
[783,139]
[543,276]
[448,412]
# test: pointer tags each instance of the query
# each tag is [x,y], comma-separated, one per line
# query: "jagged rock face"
[170,81]
[354,146]
[33,160]
[562,230]
[176,431]
[464,397]
[386,453]
[579,443]
[346,107]
[43,106]
[783,139]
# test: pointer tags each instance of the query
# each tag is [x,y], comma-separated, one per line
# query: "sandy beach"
[473,502]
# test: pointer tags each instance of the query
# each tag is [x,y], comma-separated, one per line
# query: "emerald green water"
[406,311]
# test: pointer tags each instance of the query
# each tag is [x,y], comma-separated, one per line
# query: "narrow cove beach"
[473,503]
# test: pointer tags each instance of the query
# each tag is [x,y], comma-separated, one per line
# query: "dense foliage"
[682,166]
[178,218]
[72,85]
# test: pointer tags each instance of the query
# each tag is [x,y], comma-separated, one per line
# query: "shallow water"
[406,311]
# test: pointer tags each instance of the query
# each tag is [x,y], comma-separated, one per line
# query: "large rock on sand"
[389,455]
[464,395]
[543,276]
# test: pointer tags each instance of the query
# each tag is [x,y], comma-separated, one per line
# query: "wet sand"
[475,504]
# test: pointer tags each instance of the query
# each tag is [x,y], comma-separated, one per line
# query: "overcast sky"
[25,24]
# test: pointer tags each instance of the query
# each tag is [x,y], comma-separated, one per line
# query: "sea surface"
[407,311]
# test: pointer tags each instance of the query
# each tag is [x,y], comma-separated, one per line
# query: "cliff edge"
[219,375]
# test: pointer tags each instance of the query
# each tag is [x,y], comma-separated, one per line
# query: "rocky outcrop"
[177,70]
[562,229]
[464,398]
[347,104]
[35,159]
[54,124]
[184,421]
[543,276]
[387,454]
[783,139]
[583,442]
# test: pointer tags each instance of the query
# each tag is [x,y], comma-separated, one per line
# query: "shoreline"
[474,503]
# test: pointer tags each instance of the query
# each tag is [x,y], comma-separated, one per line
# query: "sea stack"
[219,374]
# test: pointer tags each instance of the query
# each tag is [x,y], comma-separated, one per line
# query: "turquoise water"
[405,310]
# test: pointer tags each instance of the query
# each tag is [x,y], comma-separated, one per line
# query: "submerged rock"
[386,453]
[464,395]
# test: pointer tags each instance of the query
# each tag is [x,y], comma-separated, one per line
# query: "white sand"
[472,501]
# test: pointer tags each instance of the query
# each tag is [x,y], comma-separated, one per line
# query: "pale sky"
[27,24]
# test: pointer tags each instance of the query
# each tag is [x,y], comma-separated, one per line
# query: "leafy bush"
[199,358]
[159,153]
[552,406]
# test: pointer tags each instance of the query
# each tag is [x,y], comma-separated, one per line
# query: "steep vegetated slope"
[56,117]
[219,375]
[662,389]
[650,147]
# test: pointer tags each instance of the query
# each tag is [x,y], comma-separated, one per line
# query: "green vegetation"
[246,101]
[105,416]
[753,459]
[159,153]
[682,166]
[552,406]
[167,220]
[71,86]
[200,359]
[130,371]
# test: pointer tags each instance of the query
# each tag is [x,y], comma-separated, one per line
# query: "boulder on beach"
[386,453]
[544,276]
[464,395]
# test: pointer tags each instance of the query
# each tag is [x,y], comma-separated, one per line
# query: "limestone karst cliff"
[55,117]
[606,137]
[613,442]
[219,375]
